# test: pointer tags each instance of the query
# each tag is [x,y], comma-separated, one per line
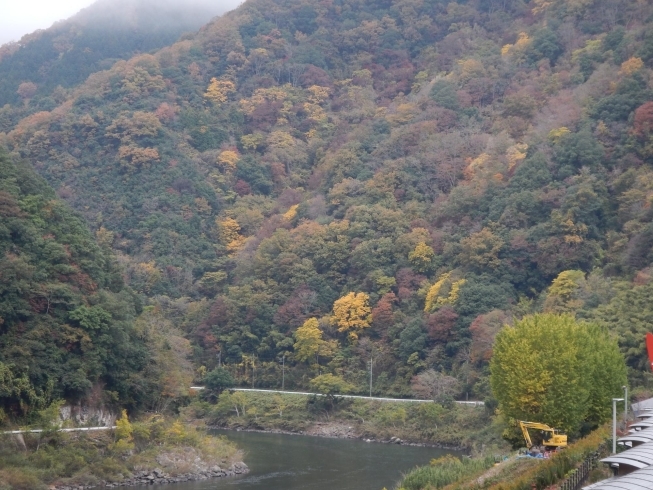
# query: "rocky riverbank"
[335,430]
[427,424]
[158,476]
[153,449]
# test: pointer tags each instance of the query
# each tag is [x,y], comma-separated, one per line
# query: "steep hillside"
[68,324]
[64,55]
[65,317]
[398,179]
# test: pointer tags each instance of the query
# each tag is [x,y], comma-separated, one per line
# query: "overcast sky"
[20,17]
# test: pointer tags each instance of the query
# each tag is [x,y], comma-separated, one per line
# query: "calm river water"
[287,462]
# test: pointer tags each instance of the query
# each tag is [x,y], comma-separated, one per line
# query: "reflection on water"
[286,462]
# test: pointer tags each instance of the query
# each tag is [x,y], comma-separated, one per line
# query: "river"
[289,462]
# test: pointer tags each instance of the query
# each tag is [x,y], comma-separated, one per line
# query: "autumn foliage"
[408,176]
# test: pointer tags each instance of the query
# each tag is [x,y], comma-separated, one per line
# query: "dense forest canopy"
[69,327]
[66,318]
[338,181]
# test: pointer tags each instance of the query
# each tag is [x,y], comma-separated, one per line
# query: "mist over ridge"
[95,38]
[138,13]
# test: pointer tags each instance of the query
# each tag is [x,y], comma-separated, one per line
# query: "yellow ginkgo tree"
[229,233]
[352,314]
[123,434]
[445,291]
[227,160]
[564,293]
[218,90]
[555,370]
[421,258]
[309,344]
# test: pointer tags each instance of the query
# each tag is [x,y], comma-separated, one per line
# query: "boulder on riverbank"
[332,429]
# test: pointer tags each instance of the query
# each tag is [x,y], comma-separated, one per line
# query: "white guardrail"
[78,429]
[411,400]
[414,400]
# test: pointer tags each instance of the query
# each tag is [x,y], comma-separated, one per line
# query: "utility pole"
[219,358]
[625,388]
[371,360]
[614,423]
[283,371]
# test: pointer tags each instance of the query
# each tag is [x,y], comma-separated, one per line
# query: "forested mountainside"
[67,321]
[331,181]
[42,65]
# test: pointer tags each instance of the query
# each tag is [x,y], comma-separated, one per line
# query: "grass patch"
[444,471]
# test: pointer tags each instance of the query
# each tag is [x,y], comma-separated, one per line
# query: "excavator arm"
[527,436]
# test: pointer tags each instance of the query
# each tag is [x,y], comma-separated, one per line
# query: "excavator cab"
[555,439]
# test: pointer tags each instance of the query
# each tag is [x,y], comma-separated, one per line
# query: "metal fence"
[577,478]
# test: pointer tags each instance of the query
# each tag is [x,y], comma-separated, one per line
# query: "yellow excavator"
[555,439]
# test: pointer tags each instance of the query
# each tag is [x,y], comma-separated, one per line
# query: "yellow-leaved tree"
[227,160]
[470,68]
[421,258]
[555,135]
[124,434]
[291,213]
[517,51]
[309,343]
[516,154]
[563,294]
[631,65]
[124,428]
[445,291]
[218,90]
[252,141]
[229,233]
[149,273]
[555,370]
[352,314]
[481,250]
[317,96]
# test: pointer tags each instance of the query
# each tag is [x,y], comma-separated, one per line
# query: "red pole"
[649,347]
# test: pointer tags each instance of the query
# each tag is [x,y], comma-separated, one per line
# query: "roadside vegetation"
[449,425]
[37,461]
[511,474]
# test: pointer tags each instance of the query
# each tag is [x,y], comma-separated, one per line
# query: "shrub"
[19,479]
